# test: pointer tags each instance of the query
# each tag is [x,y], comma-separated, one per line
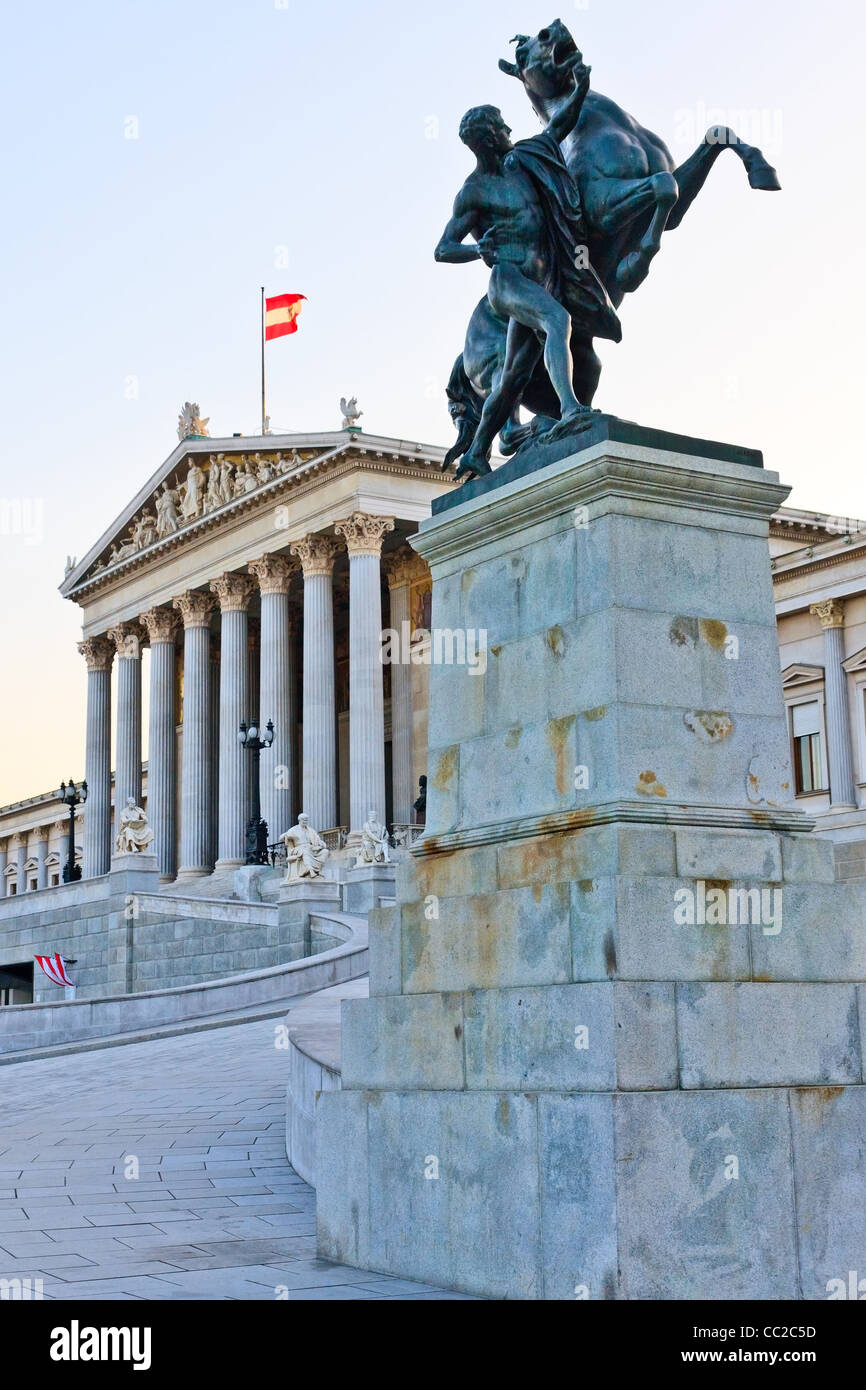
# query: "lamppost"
[257,829]
[72,798]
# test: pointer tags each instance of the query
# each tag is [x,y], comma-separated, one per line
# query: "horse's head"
[545,64]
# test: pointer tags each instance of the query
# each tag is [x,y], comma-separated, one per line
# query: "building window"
[808,754]
[55,880]
[13,889]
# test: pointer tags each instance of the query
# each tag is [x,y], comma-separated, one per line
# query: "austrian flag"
[281,315]
[55,968]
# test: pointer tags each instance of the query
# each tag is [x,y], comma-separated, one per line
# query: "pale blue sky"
[308,128]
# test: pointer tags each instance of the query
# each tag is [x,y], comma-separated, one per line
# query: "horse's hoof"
[764,176]
[472,468]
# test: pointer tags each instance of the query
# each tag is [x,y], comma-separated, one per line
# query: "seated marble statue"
[133,833]
[306,851]
[374,848]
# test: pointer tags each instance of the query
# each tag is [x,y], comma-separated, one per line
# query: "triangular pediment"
[857,662]
[205,481]
[800,674]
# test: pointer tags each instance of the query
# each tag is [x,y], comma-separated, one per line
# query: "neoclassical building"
[819,581]
[252,579]
[258,576]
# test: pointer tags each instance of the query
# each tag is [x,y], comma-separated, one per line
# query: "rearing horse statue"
[631,191]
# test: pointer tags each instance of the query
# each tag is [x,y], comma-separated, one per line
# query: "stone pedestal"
[363,887]
[129,876]
[612,1047]
[297,902]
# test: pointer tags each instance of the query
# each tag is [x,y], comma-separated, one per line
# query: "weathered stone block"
[729,854]
[686,1229]
[652,945]
[560,858]
[767,1034]
[342,1178]
[383,935]
[807,859]
[645,1036]
[491,939]
[578,1197]
[451,874]
[455,1200]
[822,935]
[829,1141]
[558,1037]
[403,1042]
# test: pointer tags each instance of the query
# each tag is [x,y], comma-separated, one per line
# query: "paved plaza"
[215,1212]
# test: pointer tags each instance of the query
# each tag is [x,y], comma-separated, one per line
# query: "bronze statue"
[629,192]
[522,206]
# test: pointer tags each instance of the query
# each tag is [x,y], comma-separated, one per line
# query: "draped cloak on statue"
[571,283]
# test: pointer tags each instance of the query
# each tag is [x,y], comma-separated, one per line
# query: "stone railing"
[403,836]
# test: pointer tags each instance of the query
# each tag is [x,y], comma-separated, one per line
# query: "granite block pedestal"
[614,1044]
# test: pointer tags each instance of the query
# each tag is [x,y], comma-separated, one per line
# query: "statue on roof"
[190,424]
[351,413]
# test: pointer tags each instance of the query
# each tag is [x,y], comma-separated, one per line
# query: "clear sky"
[312,147]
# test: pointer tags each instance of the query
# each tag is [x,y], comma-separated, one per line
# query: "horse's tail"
[465,406]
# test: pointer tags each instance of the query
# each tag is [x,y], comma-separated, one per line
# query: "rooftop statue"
[190,425]
[351,413]
[626,191]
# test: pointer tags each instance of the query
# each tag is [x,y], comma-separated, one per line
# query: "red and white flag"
[281,315]
[55,968]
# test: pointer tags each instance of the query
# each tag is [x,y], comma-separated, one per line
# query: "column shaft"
[21,856]
[402,770]
[839,750]
[41,868]
[196,787]
[319,796]
[162,741]
[277,703]
[366,694]
[233,591]
[98,653]
[127,767]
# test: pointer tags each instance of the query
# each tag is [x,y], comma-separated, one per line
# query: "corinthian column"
[363,535]
[317,555]
[196,781]
[98,652]
[401,569]
[276,691]
[234,592]
[831,615]
[127,767]
[161,625]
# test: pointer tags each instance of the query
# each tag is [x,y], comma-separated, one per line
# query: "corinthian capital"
[160,624]
[316,554]
[194,607]
[403,566]
[234,592]
[830,612]
[127,641]
[98,652]
[363,534]
[274,573]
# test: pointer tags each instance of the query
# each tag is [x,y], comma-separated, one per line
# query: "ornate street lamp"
[255,740]
[72,798]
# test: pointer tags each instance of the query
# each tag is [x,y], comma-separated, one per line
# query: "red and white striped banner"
[55,968]
[281,315]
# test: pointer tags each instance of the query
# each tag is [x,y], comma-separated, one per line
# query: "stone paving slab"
[215,1212]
